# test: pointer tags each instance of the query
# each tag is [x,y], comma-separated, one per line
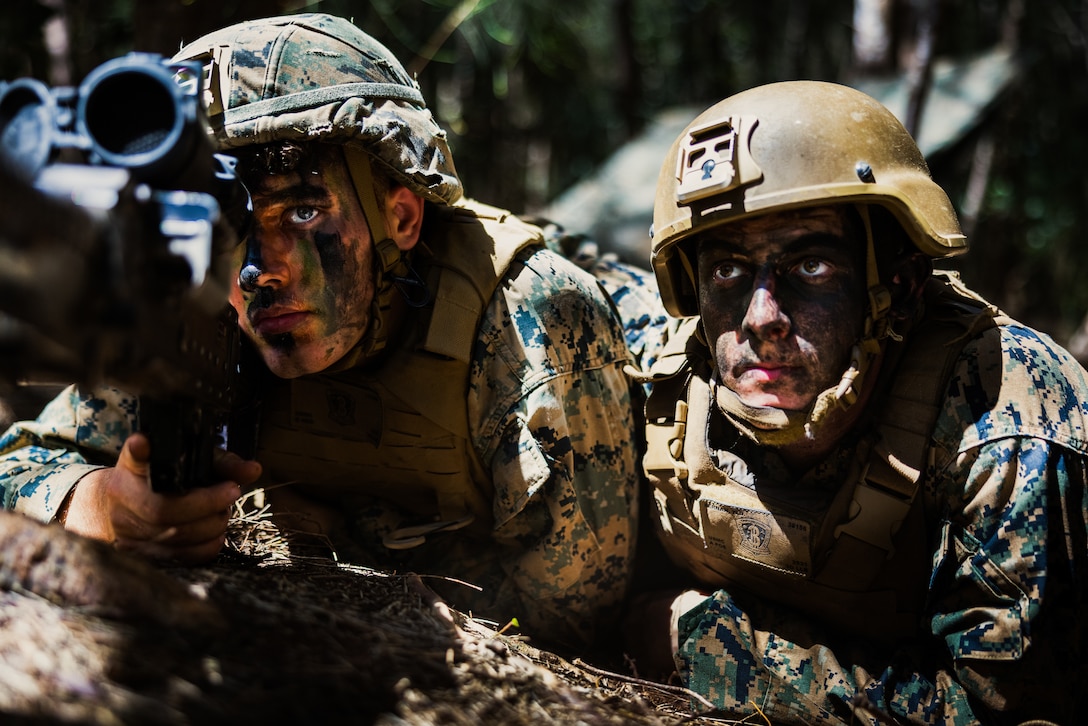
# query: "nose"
[764,318]
[266,264]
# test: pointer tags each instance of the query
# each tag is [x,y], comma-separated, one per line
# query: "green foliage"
[537,93]
[1028,251]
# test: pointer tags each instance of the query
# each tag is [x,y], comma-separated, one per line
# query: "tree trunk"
[920,70]
[873,46]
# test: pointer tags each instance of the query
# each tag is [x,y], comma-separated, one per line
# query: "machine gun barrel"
[114,224]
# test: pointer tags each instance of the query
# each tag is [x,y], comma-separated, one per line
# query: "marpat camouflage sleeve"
[41,460]
[1004,632]
[550,410]
[633,291]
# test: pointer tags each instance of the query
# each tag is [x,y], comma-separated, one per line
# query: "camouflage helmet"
[789,145]
[315,77]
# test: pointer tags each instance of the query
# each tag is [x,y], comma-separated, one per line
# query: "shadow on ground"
[91,635]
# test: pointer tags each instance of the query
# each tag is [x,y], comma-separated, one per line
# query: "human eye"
[727,271]
[301,214]
[813,269]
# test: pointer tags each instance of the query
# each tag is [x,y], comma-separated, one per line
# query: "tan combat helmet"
[315,77]
[788,145]
[784,146]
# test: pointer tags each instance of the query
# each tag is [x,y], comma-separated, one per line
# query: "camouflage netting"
[272,634]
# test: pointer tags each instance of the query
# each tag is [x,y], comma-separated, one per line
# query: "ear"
[908,281]
[403,216]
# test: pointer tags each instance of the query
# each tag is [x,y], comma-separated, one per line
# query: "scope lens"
[131,114]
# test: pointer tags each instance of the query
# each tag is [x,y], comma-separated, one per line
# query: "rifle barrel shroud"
[114,220]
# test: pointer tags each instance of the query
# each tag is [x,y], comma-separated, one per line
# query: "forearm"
[41,491]
[735,662]
[1008,585]
[42,460]
[82,511]
[571,584]
[551,420]
[563,468]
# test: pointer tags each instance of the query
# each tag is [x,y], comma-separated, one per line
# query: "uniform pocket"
[980,612]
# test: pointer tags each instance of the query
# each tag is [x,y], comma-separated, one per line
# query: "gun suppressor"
[136,116]
[136,112]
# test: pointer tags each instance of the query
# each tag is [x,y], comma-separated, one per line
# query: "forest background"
[537,94]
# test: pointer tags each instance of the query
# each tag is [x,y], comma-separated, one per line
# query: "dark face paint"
[311,302]
[339,270]
[782,300]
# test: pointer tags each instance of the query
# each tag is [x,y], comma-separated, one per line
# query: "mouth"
[276,321]
[764,372]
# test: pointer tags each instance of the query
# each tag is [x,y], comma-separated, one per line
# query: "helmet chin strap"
[390,263]
[771,426]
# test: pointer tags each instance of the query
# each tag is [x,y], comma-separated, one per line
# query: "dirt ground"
[266,635]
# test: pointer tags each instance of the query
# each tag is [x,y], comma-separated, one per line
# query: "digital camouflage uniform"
[550,417]
[959,497]
[547,408]
[1005,506]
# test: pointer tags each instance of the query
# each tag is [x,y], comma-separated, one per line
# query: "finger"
[189,554]
[136,454]
[229,465]
[194,532]
[197,504]
[133,466]
[165,535]
[430,597]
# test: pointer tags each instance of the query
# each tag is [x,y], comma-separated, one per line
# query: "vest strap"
[890,478]
[401,433]
[405,538]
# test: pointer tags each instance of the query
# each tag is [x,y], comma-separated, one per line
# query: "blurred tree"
[22,39]
[1027,223]
[537,93]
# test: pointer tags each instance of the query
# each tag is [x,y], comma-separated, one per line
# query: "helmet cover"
[316,77]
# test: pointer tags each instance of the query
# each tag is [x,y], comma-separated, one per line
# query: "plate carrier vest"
[856,562]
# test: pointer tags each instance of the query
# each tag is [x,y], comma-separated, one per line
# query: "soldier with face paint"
[869,483]
[446,394]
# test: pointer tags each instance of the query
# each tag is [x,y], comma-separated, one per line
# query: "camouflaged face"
[314,77]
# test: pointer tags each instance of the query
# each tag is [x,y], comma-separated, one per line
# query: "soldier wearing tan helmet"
[448,395]
[871,480]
